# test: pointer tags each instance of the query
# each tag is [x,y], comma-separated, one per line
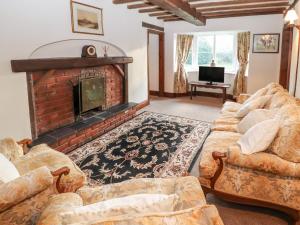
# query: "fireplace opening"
[89,97]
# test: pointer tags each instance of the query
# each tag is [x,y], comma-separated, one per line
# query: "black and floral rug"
[149,145]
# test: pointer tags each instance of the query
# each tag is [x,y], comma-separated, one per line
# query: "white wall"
[153,62]
[263,69]
[26,25]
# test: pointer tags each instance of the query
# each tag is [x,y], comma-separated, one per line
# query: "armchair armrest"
[60,172]
[217,156]
[242,98]
[25,144]
[24,187]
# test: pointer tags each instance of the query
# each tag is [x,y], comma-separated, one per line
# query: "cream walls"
[27,25]
[264,68]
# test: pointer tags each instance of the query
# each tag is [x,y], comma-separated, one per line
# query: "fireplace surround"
[55,120]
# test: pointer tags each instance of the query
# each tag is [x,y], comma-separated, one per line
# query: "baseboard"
[142,104]
[198,93]
[154,93]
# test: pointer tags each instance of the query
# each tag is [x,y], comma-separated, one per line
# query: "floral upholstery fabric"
[188,190]
[241,181]
[287,142]
[201,215]
[28,211]
[58,204]
[279,99]
[26,186]
[216,141]
[263,161]
[42,155]
[10,149]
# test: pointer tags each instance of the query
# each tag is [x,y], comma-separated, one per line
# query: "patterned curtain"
[184,43]
[240,85]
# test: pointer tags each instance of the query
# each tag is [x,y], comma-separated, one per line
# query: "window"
[218,46]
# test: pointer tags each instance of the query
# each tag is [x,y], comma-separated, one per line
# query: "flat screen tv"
[211,74]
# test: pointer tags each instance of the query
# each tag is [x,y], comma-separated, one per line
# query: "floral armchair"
[43,172]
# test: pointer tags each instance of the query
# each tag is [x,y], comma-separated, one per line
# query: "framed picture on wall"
[266,43]
[86,19]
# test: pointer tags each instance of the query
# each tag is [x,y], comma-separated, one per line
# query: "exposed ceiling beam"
[149,10]
[140,5]
[243,13]
[167,17]
[260,6]
[160,14]
[172,20]
[182,10]
[232,2]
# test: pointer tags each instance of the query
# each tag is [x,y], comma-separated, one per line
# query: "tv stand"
[196,84]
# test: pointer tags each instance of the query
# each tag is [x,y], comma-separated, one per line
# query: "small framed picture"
[86,19]
[266,43]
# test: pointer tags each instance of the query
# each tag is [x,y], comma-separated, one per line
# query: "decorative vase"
[213,64]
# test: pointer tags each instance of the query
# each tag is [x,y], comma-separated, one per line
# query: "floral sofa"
[189,209]
[43,173]
[270,178]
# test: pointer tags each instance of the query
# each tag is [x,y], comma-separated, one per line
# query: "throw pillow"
[259,137]
[259,93]
[255,104]
[254,117]
[8,171]
[10,149]
[133,204]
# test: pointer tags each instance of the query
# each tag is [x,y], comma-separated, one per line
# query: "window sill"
[196,71]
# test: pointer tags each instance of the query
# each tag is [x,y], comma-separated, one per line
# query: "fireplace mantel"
[32,65]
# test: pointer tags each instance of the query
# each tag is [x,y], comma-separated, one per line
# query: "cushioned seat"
[216,141]
[231,107]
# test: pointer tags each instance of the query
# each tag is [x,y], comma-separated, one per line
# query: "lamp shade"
[291,16]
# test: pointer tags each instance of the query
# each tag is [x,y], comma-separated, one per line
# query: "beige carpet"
[207,109]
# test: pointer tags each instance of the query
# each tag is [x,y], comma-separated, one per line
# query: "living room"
[150,112]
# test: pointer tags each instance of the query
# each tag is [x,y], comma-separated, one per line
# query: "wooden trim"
[297,67]
[152,27]
[60,172]
[142,104]
[72,18]
[31,65]
[161,56]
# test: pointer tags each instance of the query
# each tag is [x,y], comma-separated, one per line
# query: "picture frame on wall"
[266,43]
[86,19]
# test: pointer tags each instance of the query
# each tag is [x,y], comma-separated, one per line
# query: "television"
[211,74]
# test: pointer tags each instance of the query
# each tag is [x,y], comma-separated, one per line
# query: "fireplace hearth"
[74,100]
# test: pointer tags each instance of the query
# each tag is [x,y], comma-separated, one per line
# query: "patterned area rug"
[149,145]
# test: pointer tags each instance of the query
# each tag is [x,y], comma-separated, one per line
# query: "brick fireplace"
[53,115]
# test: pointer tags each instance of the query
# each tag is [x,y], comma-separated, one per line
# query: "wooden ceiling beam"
[232,3]
[260,6]
[167,17]
[173,20]
[243,13]
[149,10]
[160,14]
[181,9]
[138,6]
[125,1]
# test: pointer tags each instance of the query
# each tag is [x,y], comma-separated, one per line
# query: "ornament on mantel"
[105,49]
[212,64]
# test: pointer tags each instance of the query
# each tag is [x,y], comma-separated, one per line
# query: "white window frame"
[195,66]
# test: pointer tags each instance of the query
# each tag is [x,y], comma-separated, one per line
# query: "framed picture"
[86,19]
[266,43]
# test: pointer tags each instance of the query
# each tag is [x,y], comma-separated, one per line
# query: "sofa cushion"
[261,92]
[272,88]
[216,141]
[8,171]
[200,215]
[280,99]
[263,161]
[10,149]
[254,117]
[43,155]
[129,205]
[187,189]
[259,137]
[252,105]
[231,107]
[287,142]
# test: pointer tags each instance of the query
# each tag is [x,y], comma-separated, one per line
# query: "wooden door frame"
[161,55]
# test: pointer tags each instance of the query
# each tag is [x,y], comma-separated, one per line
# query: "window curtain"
[183,46]
[243,47]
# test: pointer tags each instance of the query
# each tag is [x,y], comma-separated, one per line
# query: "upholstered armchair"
[43,173]
[189,209]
